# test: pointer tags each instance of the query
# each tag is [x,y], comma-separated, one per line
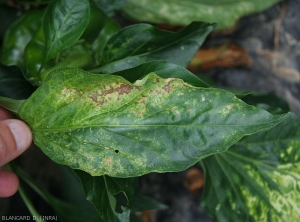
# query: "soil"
[274,68]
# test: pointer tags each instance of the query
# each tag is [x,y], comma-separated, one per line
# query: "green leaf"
[258,179]
[174,12]
[63,24]
[142,43]
[105,125]
[162,69]
[65,211]
[112,197]
[76,56]
[18,36]
[110,6]
[13,84]
[277,104]
[11,104]
[142,203]
[108,28]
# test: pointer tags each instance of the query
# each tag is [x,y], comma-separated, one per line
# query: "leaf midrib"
[144,125]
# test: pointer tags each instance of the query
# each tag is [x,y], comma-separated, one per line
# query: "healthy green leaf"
[17,37]
[112,197]
[110,6]
[13,84]
[183,12]
[105,125]
[258,179]
[63,24]
[142,43]
[108,27]
[162,69]
[67,212]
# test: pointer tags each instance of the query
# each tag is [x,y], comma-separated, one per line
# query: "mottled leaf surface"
[112,197]
[63,24]
[142,43]
[183,12]
[105,125]
[162,69]
[258,179]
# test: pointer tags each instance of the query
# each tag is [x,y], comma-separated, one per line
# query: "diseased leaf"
[105,125]
[162,69]
[112,197]
[174,12]
[142,43]
[258,179]
[63,24]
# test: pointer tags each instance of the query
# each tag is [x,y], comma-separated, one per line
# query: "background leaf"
[66,211]
[106,194]
[105,125]
[13,84]
[63,24]
[18,36]
[258,179]
[110,6]
[174,12]
[141,43]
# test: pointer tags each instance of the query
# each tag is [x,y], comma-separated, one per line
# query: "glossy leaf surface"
[18,36]
[106,194]
[63,24]
[174,12]
[141,43]
[258,179]
[105,125]
[13,84]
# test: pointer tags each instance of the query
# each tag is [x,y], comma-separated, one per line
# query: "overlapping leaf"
[17,37]
[63,24]
[258,179]
[142,43]
[106,194]
[105,125]
[174,12]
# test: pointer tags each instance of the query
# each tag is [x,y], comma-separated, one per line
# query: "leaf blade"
[264,177]
[101,192]
[63,24]
[174,12]
[97,123]
[141,43]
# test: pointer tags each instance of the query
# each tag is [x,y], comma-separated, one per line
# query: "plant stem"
[29,205]
[12,167]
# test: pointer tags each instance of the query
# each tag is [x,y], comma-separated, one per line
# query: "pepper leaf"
[18,36]
[183,12]
[258,179]
[13,84]
[142,43]
[105,125]
[162,69]
[63,24]
[112,197]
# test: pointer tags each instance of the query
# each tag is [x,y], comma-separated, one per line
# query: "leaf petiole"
[23,194]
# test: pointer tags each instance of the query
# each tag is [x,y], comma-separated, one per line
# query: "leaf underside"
[105,125]
[258,179]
